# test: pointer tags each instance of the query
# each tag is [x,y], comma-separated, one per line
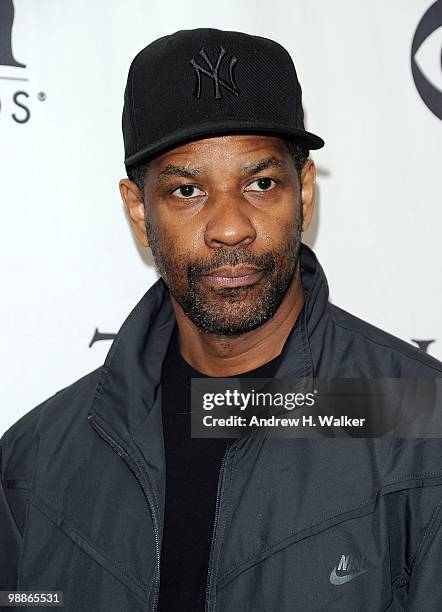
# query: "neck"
[228,356]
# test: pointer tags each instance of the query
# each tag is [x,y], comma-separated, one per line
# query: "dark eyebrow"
[249,170]
[183,171]
[263,164]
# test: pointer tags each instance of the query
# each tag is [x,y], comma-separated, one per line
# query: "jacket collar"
[131,374]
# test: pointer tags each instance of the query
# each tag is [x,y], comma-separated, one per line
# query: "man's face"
[223,220]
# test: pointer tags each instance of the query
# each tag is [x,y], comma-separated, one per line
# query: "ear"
[133,201]
[308,192]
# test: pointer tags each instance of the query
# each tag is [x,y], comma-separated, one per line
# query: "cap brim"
[307,139]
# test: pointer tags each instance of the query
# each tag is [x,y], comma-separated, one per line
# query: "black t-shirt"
[192,472]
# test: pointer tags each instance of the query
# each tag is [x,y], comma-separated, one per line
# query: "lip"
[234,276]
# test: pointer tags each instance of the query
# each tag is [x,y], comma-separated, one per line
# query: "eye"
[186,192]
[262,184]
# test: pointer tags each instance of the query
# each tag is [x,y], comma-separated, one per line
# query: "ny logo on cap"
[213,73]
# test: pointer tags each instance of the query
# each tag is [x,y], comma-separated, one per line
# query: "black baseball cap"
[205,82]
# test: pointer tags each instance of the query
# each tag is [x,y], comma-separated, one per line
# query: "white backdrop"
[70,264]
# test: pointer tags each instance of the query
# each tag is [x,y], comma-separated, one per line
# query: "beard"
[228,311]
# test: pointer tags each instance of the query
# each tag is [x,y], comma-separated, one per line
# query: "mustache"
[225,257]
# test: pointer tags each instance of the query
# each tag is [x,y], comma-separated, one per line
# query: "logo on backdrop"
[426,58]
[6,20]
[423,344]
[98,336]
[212,72]
[15,99]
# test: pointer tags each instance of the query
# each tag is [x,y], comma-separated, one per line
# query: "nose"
[229,223]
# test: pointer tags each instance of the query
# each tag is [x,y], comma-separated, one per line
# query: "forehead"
[237,150]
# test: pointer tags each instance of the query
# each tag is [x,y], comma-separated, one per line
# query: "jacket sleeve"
[10,537]
[425,585]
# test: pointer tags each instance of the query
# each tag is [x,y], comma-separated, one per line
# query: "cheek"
[272,226]
[179,245]
[274,233]
[196,239]
[185,239]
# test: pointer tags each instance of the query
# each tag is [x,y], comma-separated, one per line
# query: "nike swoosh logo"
[335,579]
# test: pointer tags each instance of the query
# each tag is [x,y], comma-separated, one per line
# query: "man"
[106,496]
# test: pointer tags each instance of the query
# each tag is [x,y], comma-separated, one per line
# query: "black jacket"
[301,524]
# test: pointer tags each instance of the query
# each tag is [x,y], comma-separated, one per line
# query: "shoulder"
[55,415]
[385,353]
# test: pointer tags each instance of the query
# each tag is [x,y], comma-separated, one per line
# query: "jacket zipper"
[215,523]
[137,473]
